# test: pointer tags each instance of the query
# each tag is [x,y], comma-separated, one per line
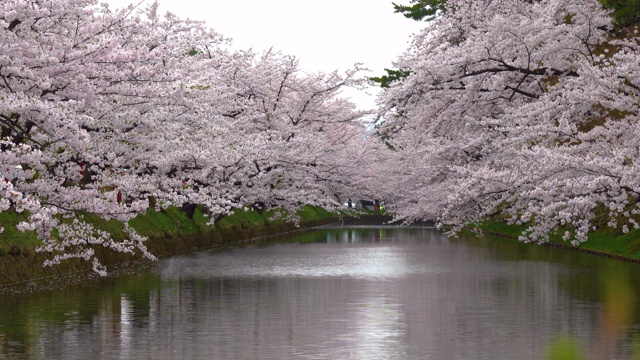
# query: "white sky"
[325,35]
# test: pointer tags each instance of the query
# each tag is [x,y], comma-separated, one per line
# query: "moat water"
[337,293]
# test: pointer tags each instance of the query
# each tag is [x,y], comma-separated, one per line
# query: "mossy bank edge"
[169,231]
[607,242]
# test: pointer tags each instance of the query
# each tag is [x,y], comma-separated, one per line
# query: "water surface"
[358,293]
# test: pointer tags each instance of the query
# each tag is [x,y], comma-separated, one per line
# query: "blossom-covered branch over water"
[103,110]
[526,110]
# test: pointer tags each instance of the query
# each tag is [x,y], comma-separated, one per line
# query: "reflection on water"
[382,293]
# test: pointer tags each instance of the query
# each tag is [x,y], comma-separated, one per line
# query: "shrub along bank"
[169,232]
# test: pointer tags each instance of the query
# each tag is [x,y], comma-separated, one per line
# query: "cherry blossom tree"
[290,128]
[520,109]
[103,110]
[62,68]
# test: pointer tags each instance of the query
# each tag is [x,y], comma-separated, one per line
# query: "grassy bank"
[169,232]
[604,242]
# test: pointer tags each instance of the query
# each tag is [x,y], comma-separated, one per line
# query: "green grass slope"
[605,241]
[169,231]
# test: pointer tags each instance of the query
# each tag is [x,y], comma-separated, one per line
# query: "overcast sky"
[325,35]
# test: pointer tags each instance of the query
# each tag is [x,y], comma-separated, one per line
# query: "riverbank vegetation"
[522,110]
[169,231]
[603,242]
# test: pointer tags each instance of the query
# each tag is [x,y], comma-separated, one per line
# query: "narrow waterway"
[342,293]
